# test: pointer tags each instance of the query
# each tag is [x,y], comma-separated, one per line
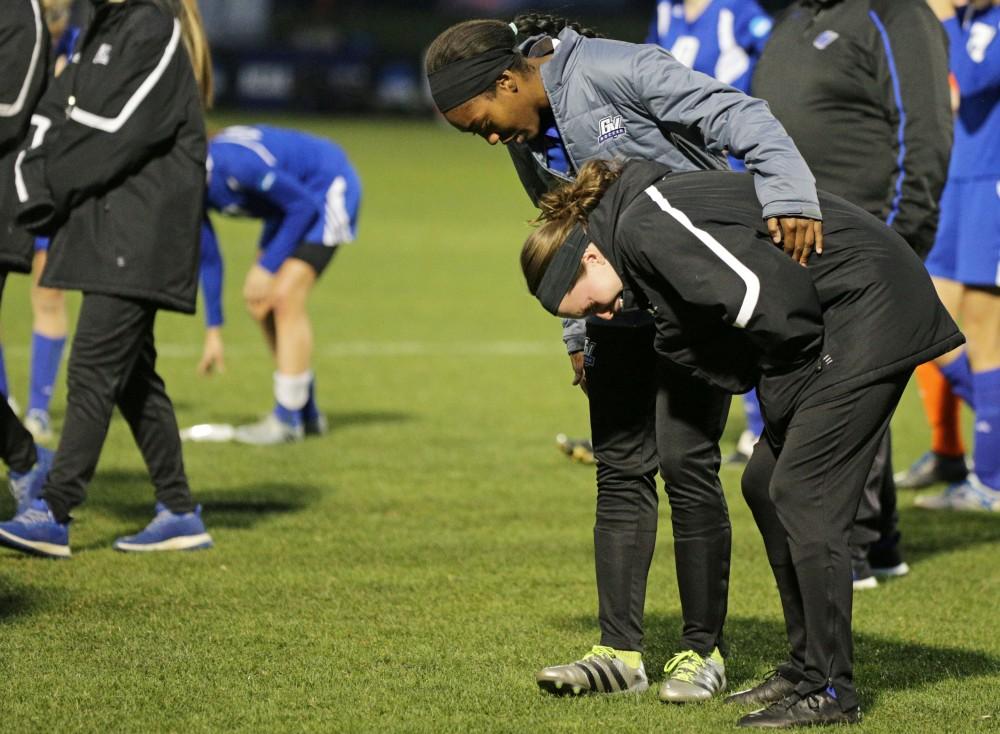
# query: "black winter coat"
[862,88]
[120,172]
[24,57]
[734,310]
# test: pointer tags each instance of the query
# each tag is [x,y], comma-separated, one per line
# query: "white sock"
[292,391]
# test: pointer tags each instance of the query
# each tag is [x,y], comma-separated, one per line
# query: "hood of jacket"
[602,224]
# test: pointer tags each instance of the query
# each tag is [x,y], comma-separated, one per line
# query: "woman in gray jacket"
[558,99]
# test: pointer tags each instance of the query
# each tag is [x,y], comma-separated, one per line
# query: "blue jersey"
[302,186]
[723,42]
[975,62]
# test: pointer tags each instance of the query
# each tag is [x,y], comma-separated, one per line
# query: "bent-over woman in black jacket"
[829,348]
[116,173]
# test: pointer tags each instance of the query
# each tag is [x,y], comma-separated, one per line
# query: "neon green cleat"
[692,677]
[602,670]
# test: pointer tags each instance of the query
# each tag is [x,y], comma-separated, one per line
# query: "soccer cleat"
[816,709]
[744,448]
[317,426]
[269,431]
[39,425]
[577,449]
[28,486]
[600,671]
[885,559]
[35,530]
[932,468]
[861,573]
[773,688]
[692,677]
[14,405]
[970,495]
[168,532]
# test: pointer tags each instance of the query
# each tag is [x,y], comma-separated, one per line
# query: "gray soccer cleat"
[970,495]
[600,671]
[693,678]
[269,431]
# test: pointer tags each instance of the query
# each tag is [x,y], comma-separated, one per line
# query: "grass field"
[412,569]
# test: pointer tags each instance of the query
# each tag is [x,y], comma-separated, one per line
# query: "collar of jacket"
[602,224]
[556,71]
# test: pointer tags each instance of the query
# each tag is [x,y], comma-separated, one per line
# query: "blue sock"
[4,390]
[959,376]
[751,406]
[310,412]
[986,454]
[46,353]
[287,416]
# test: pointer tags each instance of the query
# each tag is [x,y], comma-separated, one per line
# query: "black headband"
[562,270]
[461,80]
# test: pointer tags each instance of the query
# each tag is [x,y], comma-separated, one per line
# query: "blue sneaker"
[168,532]
[35,530]
[28,486]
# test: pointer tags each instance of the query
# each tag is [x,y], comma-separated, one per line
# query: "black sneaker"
[773,688]
[861,571]
[932,468]
[816,709]
[886,560]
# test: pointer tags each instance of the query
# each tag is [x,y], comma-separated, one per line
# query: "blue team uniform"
[967,248]
[723,42]
[302,186]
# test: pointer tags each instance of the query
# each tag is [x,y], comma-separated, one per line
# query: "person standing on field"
[116,171]
[862,87]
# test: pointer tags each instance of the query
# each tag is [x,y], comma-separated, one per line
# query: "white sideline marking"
[176,350]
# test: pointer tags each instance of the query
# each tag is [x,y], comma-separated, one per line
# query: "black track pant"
[642,415]
[803,484]
[17,448]
[113,362]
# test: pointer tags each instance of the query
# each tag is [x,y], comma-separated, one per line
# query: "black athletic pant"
[803,484]
[877,520]
[17,447]
[113,362]
[642,414]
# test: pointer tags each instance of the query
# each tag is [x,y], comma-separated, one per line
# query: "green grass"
[411,570]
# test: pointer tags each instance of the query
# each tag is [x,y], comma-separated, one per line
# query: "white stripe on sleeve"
[14,108]
[746,275]
[114,124]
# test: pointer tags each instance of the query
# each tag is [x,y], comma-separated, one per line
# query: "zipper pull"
[70,104]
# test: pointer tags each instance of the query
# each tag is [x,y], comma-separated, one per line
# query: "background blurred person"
[558,98]
[965,261]
[721,38]
[24,48]
[116,167]
[48,305]
[862,87]
[307,193]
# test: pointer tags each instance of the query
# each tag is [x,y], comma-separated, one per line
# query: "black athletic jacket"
[24,55]
[862,88]
[732,309]
[120,170]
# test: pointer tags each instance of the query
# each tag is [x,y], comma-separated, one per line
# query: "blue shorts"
[967,248]
[41,244]
[339,203]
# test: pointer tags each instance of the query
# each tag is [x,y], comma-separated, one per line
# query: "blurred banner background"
[364,56]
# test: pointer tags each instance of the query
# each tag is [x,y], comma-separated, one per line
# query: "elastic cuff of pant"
[59,510]
[790,673]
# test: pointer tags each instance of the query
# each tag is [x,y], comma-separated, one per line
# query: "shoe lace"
[600,651]
[684,666]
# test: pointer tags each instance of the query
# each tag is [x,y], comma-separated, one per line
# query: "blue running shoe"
[28,486]
[36,530]
[168,532]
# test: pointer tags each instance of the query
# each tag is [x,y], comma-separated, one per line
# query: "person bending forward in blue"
[307,193]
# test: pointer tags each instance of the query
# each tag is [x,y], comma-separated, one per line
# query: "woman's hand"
[257,291]
[579,373]
[797,235]
[212,354]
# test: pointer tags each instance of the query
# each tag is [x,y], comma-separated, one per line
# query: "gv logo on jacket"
[609,128]
[103,55]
